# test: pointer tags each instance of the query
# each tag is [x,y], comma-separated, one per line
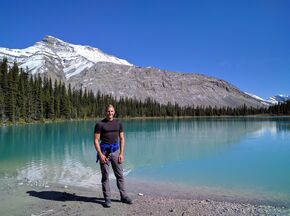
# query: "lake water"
[249,155]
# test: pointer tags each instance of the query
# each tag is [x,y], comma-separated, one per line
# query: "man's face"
[110,113]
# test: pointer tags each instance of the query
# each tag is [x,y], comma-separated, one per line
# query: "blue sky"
[246,43]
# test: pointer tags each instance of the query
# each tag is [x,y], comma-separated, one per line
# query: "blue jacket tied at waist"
[105,147]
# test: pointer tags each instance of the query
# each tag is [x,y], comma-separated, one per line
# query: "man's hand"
[103,159]
[120,158]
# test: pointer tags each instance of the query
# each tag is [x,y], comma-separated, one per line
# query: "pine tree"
[39,98]
[51,110]
[70,101]
[64,102]
[46,97]
[22,94]
[2,116]
[30,108]
[4,87]
[11,94]
[56,99]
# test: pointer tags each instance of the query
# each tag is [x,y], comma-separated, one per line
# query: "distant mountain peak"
[51,39]
[271,100]
[278,98]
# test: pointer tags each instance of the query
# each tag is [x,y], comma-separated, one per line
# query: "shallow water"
[250,155]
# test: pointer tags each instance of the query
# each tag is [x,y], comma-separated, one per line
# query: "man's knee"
[105,174]
[119,173]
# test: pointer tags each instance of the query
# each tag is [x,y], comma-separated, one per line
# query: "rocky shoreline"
[75,202]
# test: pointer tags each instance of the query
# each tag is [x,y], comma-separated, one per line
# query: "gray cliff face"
[163,86]
[88,67]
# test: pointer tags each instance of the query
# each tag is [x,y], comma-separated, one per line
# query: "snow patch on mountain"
[255,96]
[263,101]
[34,64]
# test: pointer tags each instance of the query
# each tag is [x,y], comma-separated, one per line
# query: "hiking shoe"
[126,200]
[107,203]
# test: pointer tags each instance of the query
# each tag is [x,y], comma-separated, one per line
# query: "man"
[111,151]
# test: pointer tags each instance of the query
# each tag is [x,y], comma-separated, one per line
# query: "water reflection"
[162,141]
[64,152]
[50,144]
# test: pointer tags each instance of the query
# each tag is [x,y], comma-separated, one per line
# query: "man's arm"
[102,157]
[122,146]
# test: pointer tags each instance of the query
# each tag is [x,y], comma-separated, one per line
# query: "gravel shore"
[44,200]
[70,203]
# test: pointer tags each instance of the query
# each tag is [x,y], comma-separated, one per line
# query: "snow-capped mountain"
[278,98]
[90,68]
[52,54]
[271,100]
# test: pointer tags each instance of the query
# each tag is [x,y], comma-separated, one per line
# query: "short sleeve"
[97,128]
[121,127]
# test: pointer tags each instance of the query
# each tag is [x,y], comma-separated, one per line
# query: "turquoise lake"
[246,154]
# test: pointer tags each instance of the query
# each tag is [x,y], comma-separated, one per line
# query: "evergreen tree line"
[282,108]
[27,98]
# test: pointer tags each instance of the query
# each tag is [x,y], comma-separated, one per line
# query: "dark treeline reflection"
[283,127]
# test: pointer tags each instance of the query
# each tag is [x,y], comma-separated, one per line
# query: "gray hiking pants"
[118,171]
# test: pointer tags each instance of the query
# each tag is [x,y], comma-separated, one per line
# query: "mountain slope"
[163,86]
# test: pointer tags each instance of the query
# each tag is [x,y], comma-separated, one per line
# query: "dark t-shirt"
[109,130]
